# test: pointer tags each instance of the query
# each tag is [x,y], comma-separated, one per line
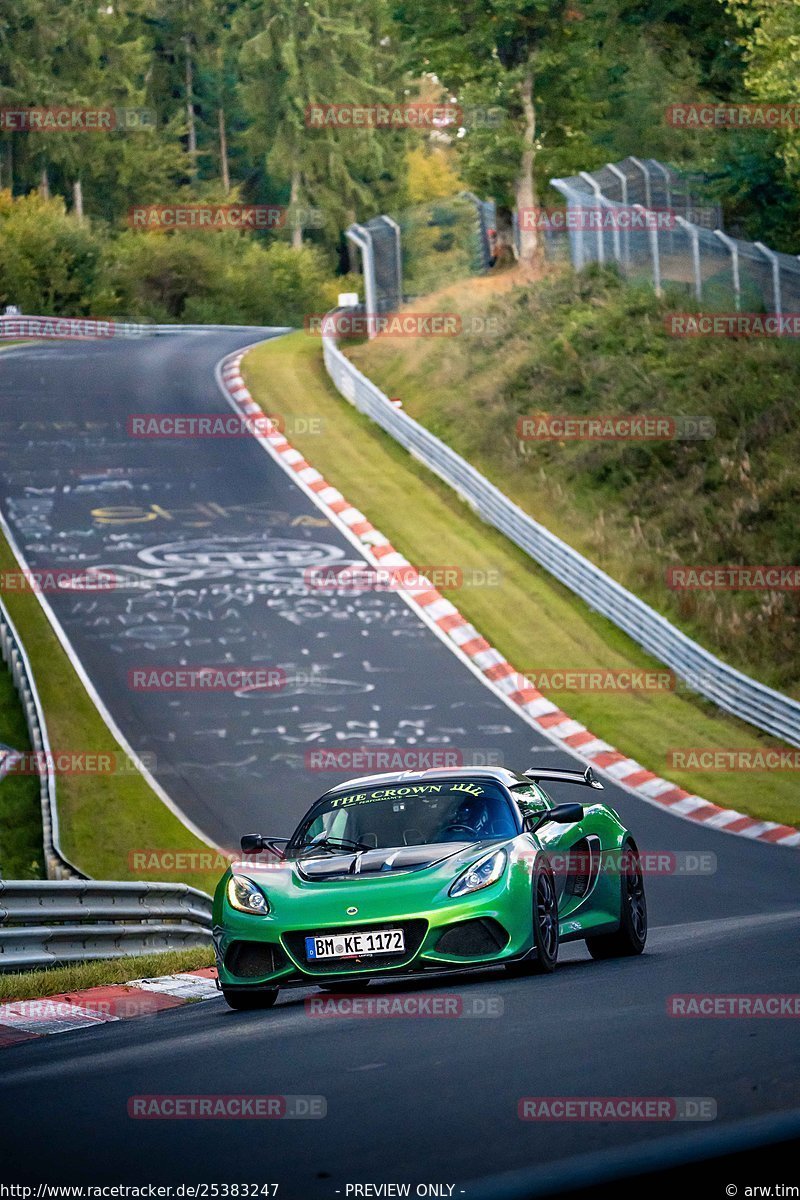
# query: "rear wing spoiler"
[548,775]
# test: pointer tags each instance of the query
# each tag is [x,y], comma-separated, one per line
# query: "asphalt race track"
[217,538]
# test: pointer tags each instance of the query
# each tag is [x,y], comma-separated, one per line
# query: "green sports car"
[414,872]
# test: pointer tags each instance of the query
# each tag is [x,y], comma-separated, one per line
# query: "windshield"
[406,814]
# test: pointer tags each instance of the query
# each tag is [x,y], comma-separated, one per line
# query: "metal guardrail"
[708,675]
[57,864]
[44,924]
[34,327]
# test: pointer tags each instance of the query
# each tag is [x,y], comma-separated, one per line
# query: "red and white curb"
[445,619]
[24,1020]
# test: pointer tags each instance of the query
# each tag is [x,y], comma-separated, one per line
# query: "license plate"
[356,945]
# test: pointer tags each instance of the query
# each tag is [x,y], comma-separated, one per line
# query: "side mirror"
[254,843]
[561,814]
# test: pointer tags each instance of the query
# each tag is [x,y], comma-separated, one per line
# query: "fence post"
[575,235]
[579,256]
[667,180]
[694,237]
[772,258]
[361,238]
[598,195]
[614,229]
[734,252]
[623,187]
[648,195]
[653,235]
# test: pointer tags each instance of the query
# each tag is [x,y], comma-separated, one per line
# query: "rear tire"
[631,936]
[248,1001]
[545,927]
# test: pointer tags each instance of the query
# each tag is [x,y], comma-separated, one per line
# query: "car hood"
[392,860]
[384,864]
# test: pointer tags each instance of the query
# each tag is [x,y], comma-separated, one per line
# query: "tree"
[770,37]
[81,54]
[296,55]
[500,53]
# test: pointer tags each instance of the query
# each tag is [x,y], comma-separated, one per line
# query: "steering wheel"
[459,827]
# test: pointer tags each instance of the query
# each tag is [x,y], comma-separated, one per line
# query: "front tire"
[248,1001]
[631,936]
[545,927]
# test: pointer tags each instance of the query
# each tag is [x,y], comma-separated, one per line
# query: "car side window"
[528,795]
[530,798]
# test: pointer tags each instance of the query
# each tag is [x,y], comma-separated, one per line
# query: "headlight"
[481,874]
[245,896]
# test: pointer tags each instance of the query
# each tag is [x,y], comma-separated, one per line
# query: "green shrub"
[49,261]
[52,264]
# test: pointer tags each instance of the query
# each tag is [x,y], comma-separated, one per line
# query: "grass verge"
[533,620]
[104,818]
[28,985]
[591,344]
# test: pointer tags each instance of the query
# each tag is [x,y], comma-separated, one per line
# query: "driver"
[471,819]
